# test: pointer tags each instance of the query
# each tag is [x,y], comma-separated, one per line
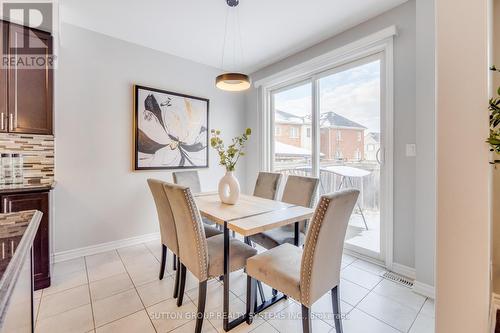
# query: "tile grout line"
[126,272]
[67,310]
[418,313]
[347,265]
[135,288]
[398,301]
[380,320]
[359,309]
[38,309]
[90,295]
[150,251]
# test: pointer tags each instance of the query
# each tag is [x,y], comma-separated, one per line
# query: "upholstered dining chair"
[191,179]
[301,191]
[267,185]
[203,257]
[307,274]
[168,232]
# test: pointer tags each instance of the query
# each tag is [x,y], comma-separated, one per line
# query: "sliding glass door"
[349,105]
[331,126]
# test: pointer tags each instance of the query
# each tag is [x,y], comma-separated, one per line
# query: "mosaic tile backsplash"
[38,153]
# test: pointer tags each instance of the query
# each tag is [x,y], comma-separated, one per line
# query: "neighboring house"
[372,146]
[291,129]
[341,138]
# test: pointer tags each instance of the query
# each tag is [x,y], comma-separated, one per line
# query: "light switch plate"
[411,150]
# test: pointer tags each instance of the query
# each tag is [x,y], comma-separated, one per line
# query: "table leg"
[226,324]
[225,318]
[296,234]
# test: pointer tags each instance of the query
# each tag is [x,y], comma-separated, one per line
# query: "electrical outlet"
[411,150]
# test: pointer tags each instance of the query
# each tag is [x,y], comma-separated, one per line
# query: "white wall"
[425,205]
[496,170]
[98,197]
[463,240]
[404,115]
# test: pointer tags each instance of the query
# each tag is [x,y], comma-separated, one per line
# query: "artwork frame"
[148,110]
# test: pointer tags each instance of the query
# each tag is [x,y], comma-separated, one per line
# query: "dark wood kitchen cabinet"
[29,91]
[11,203]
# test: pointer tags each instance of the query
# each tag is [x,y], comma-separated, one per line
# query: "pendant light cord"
[242,62]
[225,36]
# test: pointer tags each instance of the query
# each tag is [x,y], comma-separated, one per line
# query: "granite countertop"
[17,232]
[18,188]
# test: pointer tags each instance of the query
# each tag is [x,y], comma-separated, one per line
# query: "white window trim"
[381,41]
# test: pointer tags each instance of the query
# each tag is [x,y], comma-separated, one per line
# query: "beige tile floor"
[119,291]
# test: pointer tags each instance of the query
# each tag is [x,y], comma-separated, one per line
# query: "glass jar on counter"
[6,174]
[17,168]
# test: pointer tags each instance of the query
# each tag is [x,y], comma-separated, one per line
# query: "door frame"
[380,42]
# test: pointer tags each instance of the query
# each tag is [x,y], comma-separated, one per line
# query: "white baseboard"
[103,247]
[424,289]
[407,271]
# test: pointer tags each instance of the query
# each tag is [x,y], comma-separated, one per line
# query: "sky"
[353,93]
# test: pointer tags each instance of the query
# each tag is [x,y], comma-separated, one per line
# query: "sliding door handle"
[377,156]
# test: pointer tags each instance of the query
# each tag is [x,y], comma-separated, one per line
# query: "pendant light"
[232,81]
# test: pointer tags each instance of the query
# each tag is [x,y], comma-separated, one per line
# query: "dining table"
[249,216]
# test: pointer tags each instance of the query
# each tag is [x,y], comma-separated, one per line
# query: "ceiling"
[270,29]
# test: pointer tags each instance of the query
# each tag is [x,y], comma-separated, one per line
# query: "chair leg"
[177,278]
[180,297]
[174,264]
[202,297]
[247,241]
[251,299]
[163,260]
[336,309]
[306,319]
[261,291]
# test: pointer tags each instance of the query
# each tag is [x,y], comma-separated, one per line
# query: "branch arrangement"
[494,109]
[230,156]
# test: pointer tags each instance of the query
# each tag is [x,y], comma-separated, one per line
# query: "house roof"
[327,120]
[332,119]
[288,118]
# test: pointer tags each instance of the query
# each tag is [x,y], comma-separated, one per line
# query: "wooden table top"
[250,215]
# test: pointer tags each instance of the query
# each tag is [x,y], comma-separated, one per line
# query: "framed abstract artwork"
[170,130]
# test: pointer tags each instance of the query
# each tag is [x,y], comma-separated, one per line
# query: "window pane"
[292,134]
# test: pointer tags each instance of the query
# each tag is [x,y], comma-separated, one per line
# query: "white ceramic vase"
[229,189]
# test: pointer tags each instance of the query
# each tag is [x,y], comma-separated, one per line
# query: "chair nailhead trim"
[201,250]
[310,248]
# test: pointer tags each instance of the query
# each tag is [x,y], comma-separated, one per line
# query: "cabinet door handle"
[2,125]
[11,122]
